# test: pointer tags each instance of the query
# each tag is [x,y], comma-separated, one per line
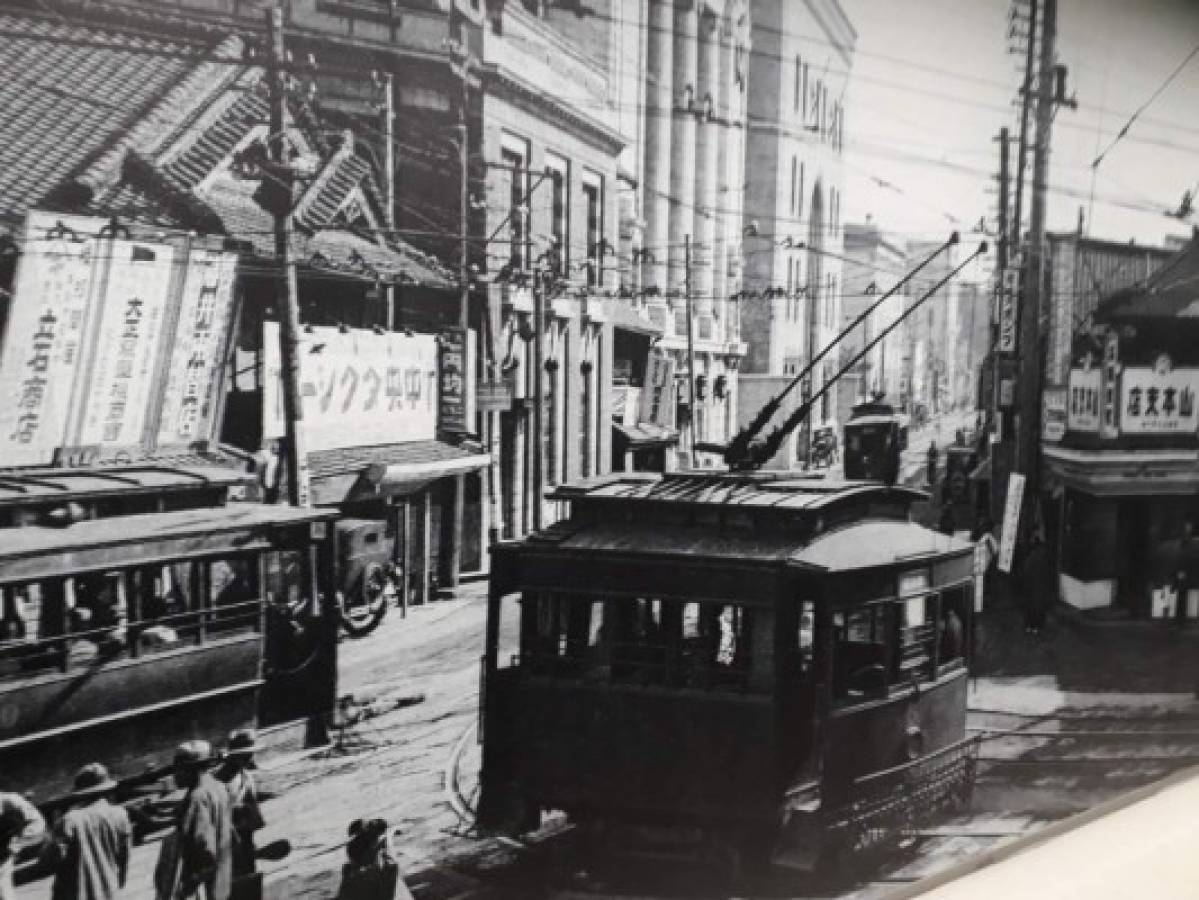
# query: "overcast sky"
[934,81]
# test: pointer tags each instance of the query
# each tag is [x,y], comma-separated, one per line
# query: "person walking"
[371,872]
[204,830]
[1035,584]
[89,848]
[20,822]
[236,773]
[932,464]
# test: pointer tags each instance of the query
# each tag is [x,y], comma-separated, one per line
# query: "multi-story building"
[936,325]
[875,263]
[798,74]
[691,164]
[974,340]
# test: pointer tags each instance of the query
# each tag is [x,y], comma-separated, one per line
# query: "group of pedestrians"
[208,855]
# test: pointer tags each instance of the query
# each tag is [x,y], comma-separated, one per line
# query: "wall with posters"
[358,388]
[103,330]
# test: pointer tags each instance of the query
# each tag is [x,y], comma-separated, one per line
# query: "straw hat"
[193,754]
[92,780]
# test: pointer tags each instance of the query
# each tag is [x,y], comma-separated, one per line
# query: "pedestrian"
[371,872]
[953,636]
[1035,586]
[932,463]
[236,773]
[204,831]
[20,822]
[89,848]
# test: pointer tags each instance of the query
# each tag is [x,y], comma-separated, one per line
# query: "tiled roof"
[355,459]
[68,93]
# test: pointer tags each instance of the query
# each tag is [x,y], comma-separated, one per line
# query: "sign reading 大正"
[1082,400]
[1153,401]
[358,388]
[95,326]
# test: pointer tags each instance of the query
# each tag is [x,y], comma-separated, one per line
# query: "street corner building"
[1119,441]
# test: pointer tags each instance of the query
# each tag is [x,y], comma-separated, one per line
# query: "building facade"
[935,326]
[798,75]
[875,264]
[1122,479]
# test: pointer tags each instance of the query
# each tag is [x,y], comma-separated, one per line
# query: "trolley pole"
[288,300]
[690,345]
[1029,343]
[1025,100]
[1001,243]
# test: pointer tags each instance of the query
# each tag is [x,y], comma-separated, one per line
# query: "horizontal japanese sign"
[358,388]
[1082,400]
[1158,402]
[97,326]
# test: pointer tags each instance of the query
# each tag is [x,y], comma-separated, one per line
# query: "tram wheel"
[363,611]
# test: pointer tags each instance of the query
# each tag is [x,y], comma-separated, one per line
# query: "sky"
[933,82]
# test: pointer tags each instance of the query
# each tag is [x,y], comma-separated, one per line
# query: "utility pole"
[538,397]
[459,510]
[690,344]
[1029,344]
[1025,100]
[287,302]
[389,183]
[1001,245]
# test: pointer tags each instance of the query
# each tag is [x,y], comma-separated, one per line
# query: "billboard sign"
[1082,411]
[1158,400]
[358,388]
[657,397]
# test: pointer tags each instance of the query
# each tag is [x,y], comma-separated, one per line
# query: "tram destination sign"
[112,342]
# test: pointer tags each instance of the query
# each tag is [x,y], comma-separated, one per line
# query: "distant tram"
[775,663]
[875,438]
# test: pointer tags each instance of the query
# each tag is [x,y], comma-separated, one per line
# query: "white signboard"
[358,388]
[130,318]
[1053,414]
[40,354]
[192,378]
[1158,402]
[1082,403]
[657,397]
[1011,521]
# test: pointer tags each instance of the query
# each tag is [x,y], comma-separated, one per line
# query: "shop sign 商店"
[1082,410]
[1158,401]
[358,388]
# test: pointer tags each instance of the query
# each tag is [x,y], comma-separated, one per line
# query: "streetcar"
[123,635]
[774,665]
[875,438]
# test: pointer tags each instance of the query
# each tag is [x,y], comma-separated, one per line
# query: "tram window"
[96,616]
[955,605]
[232,592]
[163,607]
[805,636]
[860,652]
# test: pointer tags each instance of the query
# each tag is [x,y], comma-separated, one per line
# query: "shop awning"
[1124,473]
[359,473]
[646,435]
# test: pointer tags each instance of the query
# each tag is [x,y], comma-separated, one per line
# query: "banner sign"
[657,397]
[91,340]
[203,331]
[1158,402]
[1011,521]
[1009,292]
[1082,413]
[453,374]
[358,388]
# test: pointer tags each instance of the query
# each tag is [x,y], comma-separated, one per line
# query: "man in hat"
[235,773]
[19,821]
[205,826]
[90,846]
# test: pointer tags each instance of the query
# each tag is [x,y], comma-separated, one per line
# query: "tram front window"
[644,641]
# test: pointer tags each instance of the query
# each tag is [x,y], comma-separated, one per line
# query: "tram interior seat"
[859,669]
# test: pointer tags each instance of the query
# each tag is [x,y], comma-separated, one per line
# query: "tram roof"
[38,551]
[781,490]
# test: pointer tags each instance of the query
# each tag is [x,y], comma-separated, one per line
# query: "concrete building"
[692,166]
[798,74]
[875,263]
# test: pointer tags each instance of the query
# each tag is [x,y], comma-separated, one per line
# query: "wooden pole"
[691,373]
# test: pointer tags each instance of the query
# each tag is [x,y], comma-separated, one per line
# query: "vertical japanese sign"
[657,404]
[130,317]
[1009,291]
[452,382]
[202,331]
[39,357]
[1082,412]
[1011,521]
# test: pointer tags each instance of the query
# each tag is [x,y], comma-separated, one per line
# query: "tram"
[122,635]
[771,663]
[875,438]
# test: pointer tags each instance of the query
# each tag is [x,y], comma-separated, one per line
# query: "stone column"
[682,143]
[659,103]
[705,204]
